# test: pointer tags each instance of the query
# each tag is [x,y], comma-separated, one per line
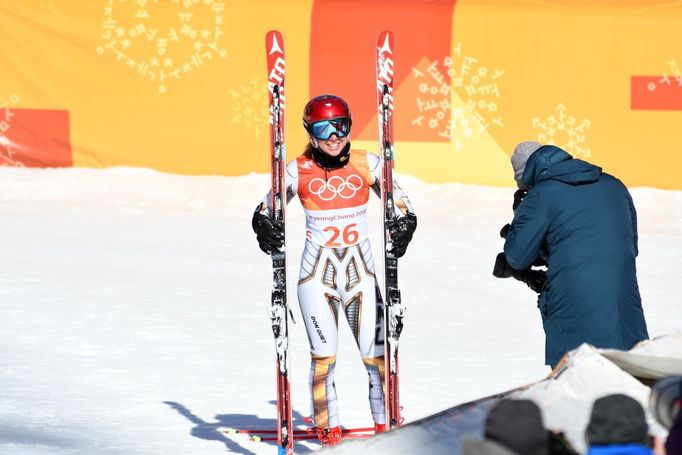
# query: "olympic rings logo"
[335,186]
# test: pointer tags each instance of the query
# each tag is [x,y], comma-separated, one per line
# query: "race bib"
[337,228]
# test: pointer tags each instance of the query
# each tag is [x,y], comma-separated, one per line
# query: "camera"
[666,399]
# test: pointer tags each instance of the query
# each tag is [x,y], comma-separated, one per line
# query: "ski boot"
[329,436]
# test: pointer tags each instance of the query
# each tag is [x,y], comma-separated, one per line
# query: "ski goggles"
[324,129]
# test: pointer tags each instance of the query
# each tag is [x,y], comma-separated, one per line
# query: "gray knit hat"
[519,159]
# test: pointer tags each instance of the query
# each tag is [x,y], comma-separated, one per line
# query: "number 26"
[350,235]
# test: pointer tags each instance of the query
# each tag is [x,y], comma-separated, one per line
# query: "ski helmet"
[325,107]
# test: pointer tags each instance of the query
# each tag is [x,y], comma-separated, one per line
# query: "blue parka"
[583,223]
[620,449]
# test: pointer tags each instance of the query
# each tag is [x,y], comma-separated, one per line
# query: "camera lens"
[665,400]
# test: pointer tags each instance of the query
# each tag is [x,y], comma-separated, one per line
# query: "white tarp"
[565,398]
[650,359]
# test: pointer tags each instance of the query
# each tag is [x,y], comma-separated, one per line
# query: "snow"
[133,309]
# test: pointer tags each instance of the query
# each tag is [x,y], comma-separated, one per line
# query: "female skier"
[337,269]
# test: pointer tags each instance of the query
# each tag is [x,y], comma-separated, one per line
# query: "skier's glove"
[401,230]
[268,232]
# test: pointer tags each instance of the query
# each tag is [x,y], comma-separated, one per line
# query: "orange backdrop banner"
[181,85]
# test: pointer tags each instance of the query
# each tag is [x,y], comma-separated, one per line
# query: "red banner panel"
[342,49]
[35,138]
[655,93]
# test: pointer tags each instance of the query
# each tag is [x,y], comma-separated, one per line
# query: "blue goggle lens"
[324,129]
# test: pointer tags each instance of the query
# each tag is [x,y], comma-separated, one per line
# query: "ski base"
[312,437]
[299,434]
[298,431]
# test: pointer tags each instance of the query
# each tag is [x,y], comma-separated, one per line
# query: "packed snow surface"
[133,309]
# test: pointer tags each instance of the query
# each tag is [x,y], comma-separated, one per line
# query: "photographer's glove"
[400,231]
[535,279]
[518,197]
[269,232]
[505,230]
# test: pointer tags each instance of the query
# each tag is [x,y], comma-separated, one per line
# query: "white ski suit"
[337,273]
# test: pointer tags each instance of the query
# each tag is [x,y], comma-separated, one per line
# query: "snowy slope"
[133,309]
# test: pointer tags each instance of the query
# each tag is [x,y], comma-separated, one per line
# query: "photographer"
[583,224]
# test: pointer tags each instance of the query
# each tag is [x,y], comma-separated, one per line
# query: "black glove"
[535,279]
[505,230]
[518,197]
[539,262]
[401,230]
[269,232]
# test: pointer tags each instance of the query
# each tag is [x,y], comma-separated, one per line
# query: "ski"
[274,47]
[298,431]
[393,308]
[313,437]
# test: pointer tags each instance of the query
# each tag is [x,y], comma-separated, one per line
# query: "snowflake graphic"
[476,82]
[184,35]
[250,106]
[674,72]
[565,131]
[7,148]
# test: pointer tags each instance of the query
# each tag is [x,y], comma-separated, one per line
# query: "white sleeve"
[374,163]
[291,182]
[400,199]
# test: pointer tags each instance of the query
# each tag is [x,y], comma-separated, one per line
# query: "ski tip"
[385,44]
[255,438]
[231,431]
[274,43]
[384,37]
